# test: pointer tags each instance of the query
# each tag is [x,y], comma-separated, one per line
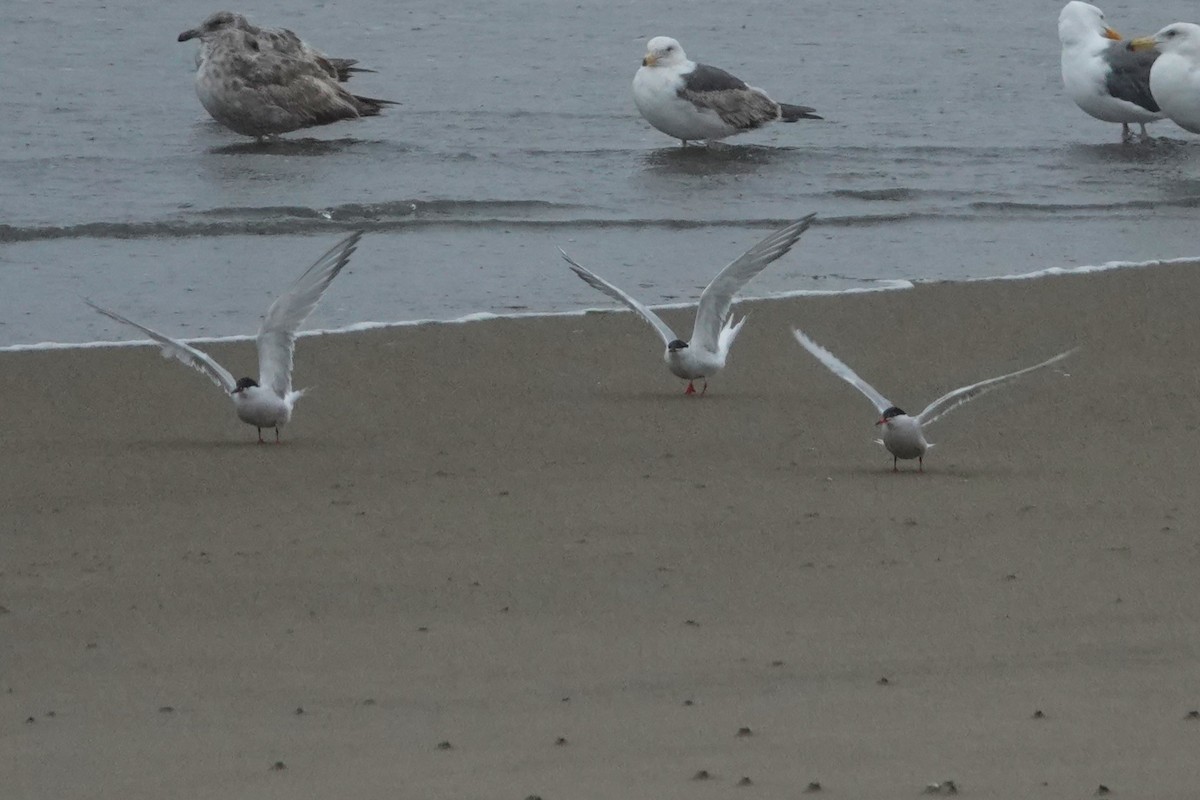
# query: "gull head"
[890,415]
[243,384]
[220,21]
[663,51]
[1082,22]
[1178,37]
[676,346]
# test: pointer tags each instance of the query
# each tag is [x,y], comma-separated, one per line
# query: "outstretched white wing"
[717,298]
[952,400]
[838,368]
[277,336]
[185,353]
[596,282]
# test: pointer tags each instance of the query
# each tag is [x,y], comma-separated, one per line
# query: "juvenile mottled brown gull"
[693,101]
[264,81]
[1101,75]
[283,41]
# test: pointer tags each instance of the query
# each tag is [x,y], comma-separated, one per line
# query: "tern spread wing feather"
[837,367]
[952,400]
[180,351]
[277,336]
[717,299]
[596,282]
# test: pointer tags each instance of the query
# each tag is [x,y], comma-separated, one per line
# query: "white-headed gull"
[694,102]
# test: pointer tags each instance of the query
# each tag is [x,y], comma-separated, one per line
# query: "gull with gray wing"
[1175,77]
[695,102]
[1102,76]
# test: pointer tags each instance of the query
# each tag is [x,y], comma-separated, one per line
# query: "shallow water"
[948,151]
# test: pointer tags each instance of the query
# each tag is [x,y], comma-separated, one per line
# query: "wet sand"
[510,558]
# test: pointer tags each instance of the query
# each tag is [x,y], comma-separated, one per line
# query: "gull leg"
[705,389]
[276,434]
[1126,134]
[894,467]
[1145,134]
[260,439]
[691,388]
[920,463]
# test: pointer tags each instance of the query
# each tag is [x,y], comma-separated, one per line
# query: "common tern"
[714,331]
[267,402]
[903,435]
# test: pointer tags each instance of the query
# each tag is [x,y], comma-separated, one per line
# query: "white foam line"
[1087,269]
[478,316]
[889,285]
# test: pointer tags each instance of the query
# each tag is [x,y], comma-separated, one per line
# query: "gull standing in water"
[714,331]
[263,82]
[693,101]
[267,402]
[1175,77]
[904,436]
[1101,74]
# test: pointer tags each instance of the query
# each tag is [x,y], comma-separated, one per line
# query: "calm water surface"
[949,151]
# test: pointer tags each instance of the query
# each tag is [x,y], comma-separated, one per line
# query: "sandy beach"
[510,559]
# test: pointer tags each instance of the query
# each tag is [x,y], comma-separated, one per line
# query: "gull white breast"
[694,102]
[1103,77]
[1175,77]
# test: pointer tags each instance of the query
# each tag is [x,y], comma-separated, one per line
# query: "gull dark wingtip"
[793,113]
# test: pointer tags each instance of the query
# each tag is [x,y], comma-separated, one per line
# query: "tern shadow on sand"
[619,394]
[214,445]
[908,470]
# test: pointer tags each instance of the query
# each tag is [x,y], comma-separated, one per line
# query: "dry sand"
[498,534]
